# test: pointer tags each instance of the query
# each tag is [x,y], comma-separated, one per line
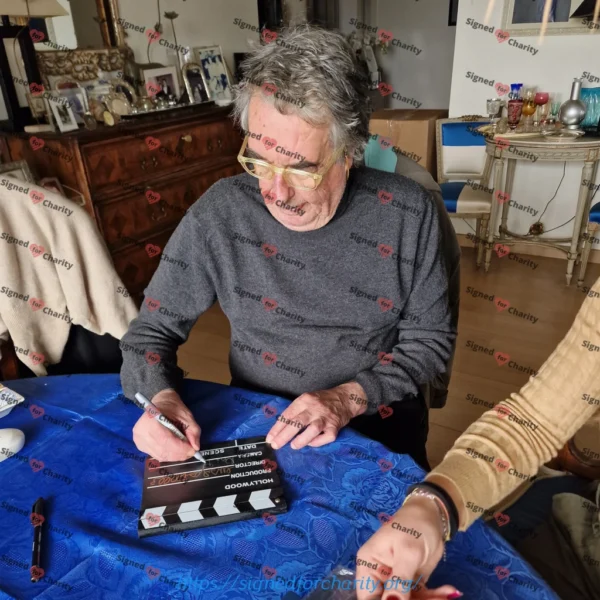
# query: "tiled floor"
[540,293]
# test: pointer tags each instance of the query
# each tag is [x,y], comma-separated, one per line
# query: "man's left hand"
[319,415]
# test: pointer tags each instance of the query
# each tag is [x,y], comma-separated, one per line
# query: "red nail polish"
[454,595]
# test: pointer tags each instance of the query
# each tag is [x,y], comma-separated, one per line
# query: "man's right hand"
[152,438]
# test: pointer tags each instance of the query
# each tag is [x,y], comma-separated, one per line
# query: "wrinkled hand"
[322,413]
[404,560]
[152,438]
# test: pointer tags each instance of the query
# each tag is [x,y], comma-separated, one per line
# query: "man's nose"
[280,188]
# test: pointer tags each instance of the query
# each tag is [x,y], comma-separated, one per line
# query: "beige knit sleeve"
[500,450]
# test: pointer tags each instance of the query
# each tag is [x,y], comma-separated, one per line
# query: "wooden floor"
[540,292]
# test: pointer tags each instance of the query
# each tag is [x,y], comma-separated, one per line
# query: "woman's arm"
[538,420]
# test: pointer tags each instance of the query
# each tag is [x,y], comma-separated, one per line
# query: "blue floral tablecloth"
[80,457]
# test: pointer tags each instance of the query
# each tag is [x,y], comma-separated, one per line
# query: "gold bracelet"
[444,517]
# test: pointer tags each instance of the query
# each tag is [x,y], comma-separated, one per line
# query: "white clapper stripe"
[260,499]
[190,511]
[225,505]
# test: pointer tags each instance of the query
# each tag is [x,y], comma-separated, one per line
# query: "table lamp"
[32,8]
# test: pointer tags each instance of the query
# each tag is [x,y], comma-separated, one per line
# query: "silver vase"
[572,112]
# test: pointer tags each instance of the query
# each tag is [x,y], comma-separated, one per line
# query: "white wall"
[200,23]
[424,24]
[559,59]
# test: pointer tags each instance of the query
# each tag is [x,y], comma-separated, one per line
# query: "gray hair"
[317,77]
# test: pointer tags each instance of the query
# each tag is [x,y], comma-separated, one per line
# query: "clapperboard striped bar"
[238,482]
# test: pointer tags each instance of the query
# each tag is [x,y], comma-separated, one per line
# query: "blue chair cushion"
[595,213]
[459,133]
[450,192]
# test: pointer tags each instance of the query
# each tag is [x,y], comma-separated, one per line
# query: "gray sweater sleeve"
[426,331]
[181,289]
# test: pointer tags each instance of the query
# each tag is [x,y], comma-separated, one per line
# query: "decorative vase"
[572,112]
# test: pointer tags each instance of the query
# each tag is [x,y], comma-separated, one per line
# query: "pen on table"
[166,423]
[36,558]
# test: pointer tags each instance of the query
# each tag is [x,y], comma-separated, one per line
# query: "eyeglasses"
[296,178]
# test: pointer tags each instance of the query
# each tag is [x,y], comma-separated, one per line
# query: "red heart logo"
[385,36]
[36,572]
[36,303]
[502,35]
[269,143]
[385,88]
[270,197]
[502,197]
[385,411]
[152,250]
[501,250]
[152,304]
[269,303]
[501,465]
[269,572]
[501,358]
[385,465]
[501,304]
[153,519]
[385,142]
[36,89]
[152,572]
[152,358]
[36,35]
[152,142]
[269,411]
[385,251]
[269,88]
[37,197]
[36,143]
[502,143]
[502,411]
[269,465]
[501,519]
[269,250]
[36,250]
[152,35]
[36,411]
[269,358]
[268,35]
[385,358]
[268,518]
[153,464]
[384,197]
[152,197]
[36,465]
[385,304]
[152,89]
[384,518]
[36,519]
[502,88]
[502,573]
[37,358]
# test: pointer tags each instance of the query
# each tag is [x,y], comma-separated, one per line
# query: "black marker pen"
[37,520]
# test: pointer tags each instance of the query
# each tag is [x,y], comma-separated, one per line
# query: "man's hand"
[152,438]
[322,413]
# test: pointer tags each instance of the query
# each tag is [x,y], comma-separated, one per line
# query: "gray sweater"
[362,299]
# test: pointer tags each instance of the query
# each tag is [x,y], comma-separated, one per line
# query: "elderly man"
[331,276]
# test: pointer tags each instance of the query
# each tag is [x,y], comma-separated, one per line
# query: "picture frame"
[195,83]
[76,95]
[160,82]
[571,17]
[216,73]
[52,184]
[62,113]
[19,169]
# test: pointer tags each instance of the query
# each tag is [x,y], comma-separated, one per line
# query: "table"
[526,149]
[92,481]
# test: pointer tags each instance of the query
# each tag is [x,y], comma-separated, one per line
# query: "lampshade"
[37,8]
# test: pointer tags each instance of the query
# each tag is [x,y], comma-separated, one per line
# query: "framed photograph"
[216,73]
[75,96]
[195,84]
[52,184]
[453,13]
[565,17]
[161,83]
[62,112]
[19,169]
[37,106]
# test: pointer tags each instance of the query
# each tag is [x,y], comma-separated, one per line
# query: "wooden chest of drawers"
[137,178]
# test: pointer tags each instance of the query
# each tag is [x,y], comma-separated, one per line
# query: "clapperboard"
[239,481]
